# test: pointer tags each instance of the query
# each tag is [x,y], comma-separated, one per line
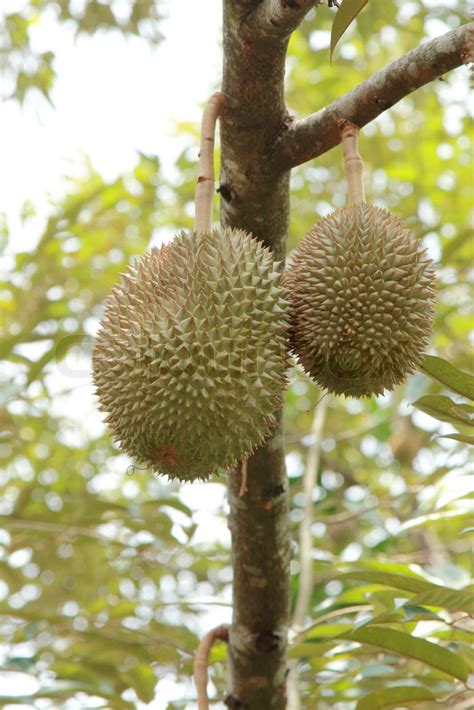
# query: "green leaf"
[326,631]
[449,376]
[398,581]
[122,609]
[310,649]
[444,409]
[452,599]
[465,438]
[412,647]
[434,518]
[394,697]
[143,681]
[344,16]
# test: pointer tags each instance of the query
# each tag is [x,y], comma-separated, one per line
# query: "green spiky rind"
[362,294]
[190,359]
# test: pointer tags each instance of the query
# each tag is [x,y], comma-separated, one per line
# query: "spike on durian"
[362,294]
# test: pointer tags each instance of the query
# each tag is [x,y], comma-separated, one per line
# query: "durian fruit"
[190,360]
[362,294]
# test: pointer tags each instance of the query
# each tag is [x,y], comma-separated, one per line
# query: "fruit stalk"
[353,163]
[205,183]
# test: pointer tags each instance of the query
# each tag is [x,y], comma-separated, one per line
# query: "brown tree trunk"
[256,199]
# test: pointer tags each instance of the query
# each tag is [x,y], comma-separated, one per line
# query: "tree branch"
[275,19]
[305,587]
[312,136]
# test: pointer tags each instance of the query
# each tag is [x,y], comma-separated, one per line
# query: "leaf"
[143,680]
[412,647]
[122,609]
[465,438]
[442,371]
[310,649]
[394,697]
[347,12]
[452,599]
[444,409]
[326,631]
[435,517]
[398,581]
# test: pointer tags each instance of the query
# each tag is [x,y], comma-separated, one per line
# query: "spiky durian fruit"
[190,360]
[362,295]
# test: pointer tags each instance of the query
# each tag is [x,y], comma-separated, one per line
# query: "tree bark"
[256,198]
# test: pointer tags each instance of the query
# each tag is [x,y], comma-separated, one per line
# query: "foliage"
[107,577]
[443,408]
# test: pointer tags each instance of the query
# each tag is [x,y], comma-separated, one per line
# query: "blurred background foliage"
[109,575]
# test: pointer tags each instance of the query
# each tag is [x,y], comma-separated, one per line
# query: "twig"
[353,163]
[305,535]
[205,183]
[292,690]
[201,662]
[306,543]
[243,483]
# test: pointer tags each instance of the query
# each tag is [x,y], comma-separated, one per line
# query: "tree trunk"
[257,200]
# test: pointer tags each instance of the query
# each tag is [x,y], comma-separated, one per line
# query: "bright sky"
[113,96]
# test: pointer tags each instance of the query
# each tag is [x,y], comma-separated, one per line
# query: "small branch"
[353,163]
[318,133]
[275,19]
[305,587]
[201,662]
[205,183]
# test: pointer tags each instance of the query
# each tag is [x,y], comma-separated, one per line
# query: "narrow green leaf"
[394,697]
[387,579]
[310,649]
[347,12]
[434,518]
[412,647]
[444,409]
[452,599]
[122,609]
[327,631]
[449,376]
[465,438]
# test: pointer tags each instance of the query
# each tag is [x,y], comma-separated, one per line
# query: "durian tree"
[88,614]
